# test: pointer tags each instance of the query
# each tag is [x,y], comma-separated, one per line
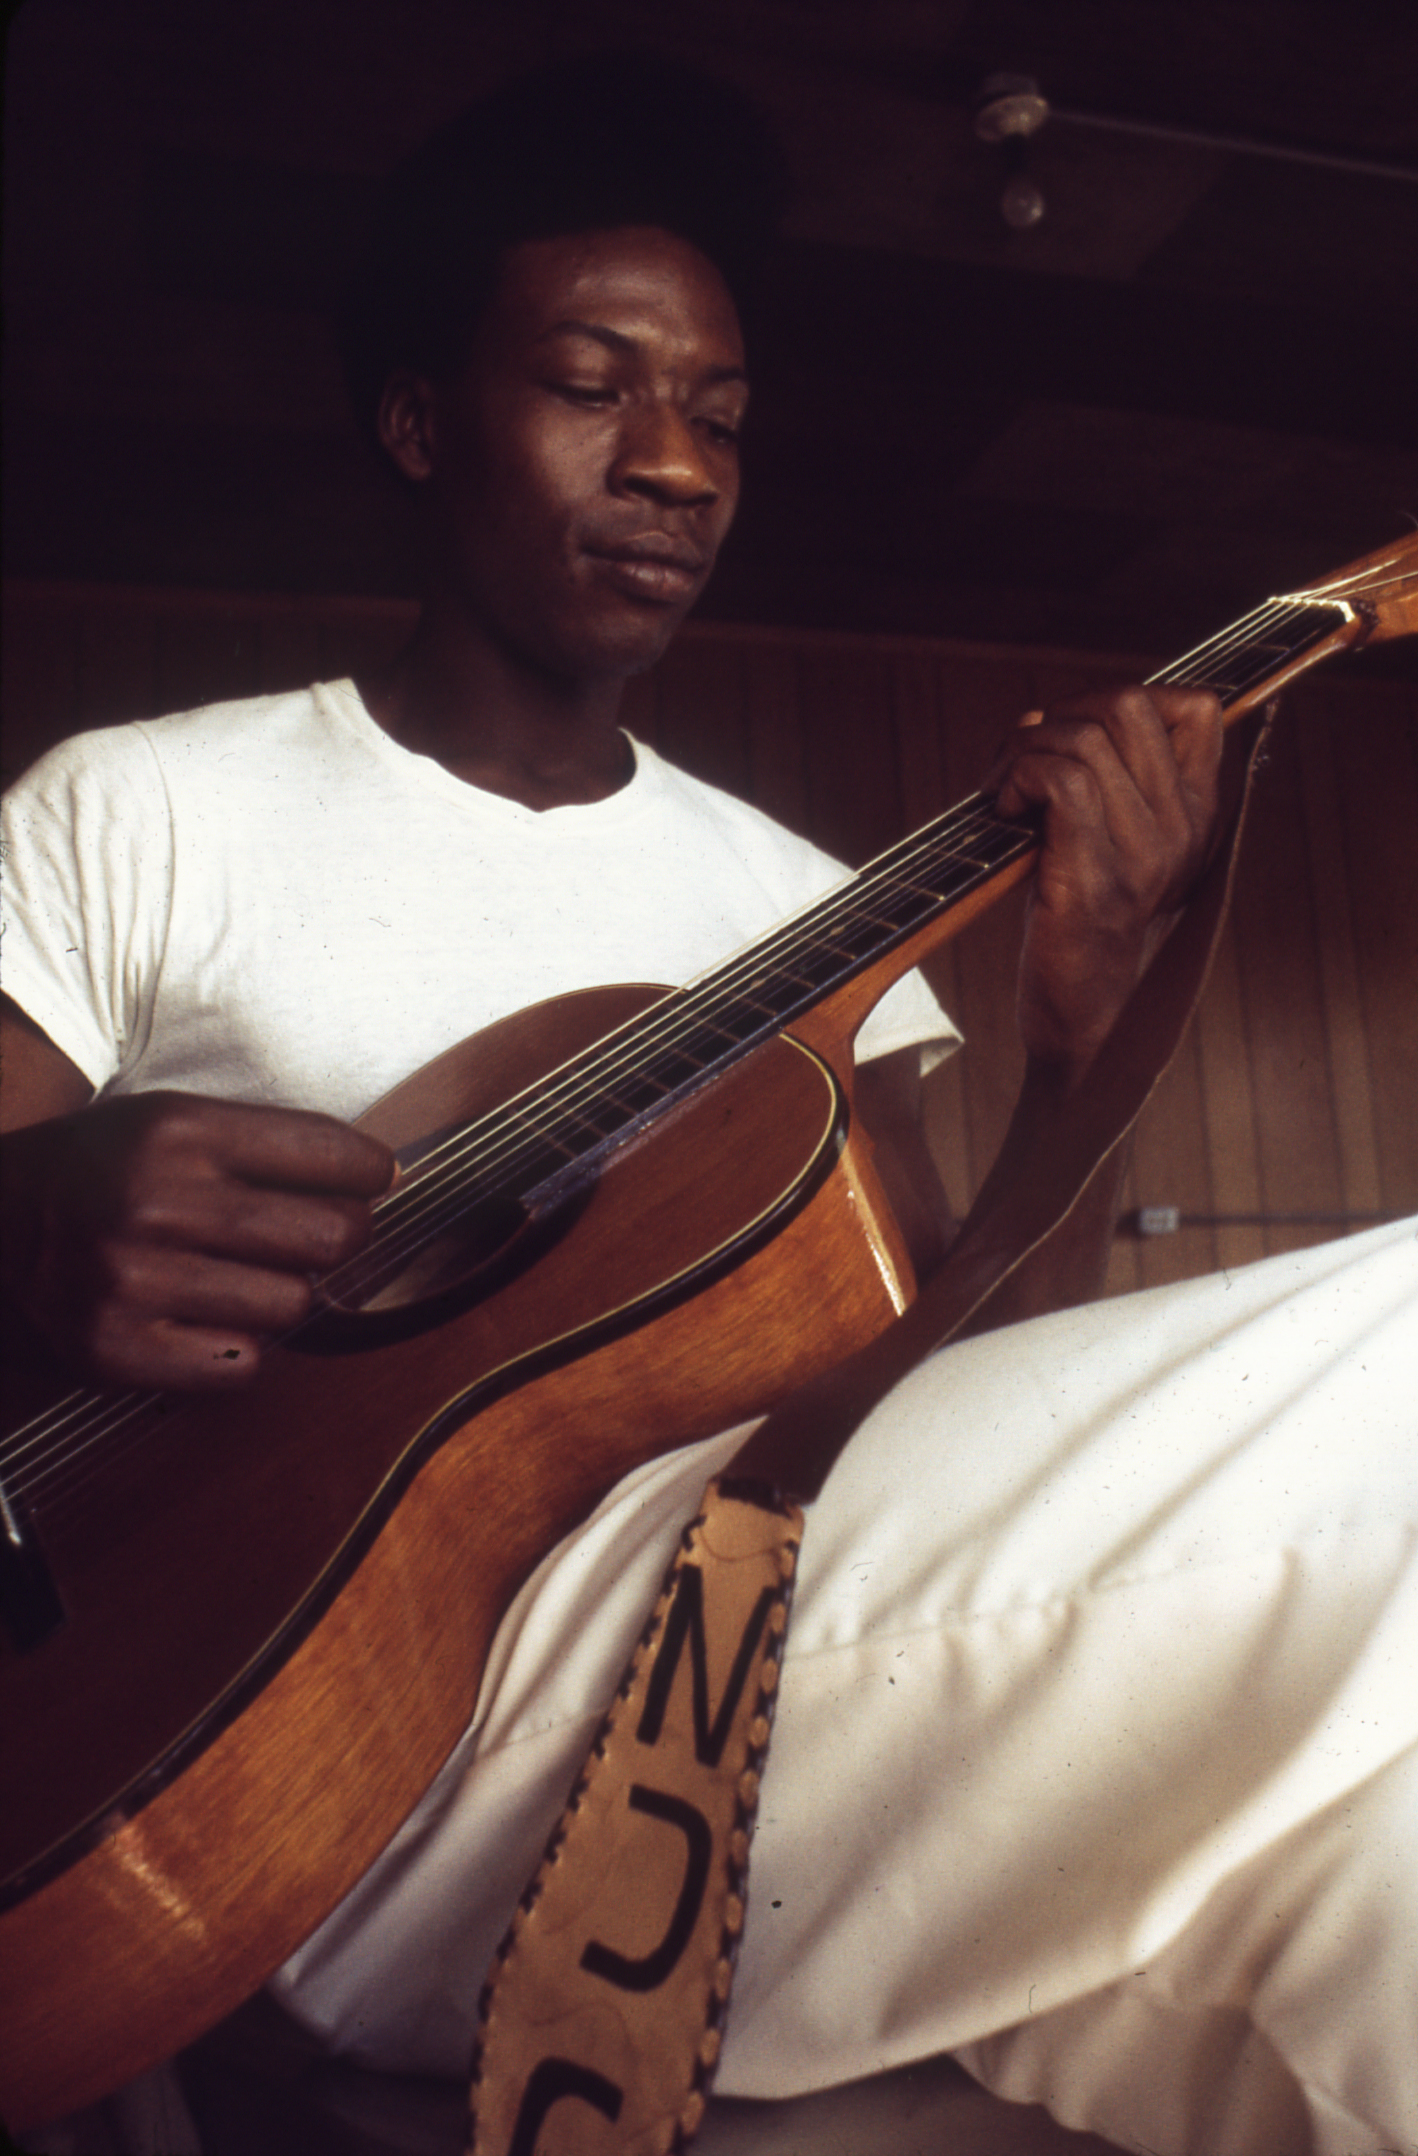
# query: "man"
[552,354]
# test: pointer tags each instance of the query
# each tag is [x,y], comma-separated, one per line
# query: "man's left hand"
[1127,783]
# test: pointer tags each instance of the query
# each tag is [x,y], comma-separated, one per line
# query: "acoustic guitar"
[239,1635]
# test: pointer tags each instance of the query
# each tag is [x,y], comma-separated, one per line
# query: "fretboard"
[559,1131]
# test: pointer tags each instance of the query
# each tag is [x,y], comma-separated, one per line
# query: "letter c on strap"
[549,2081]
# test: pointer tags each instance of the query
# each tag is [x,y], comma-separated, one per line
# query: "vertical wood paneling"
[1295,1091]
[1378,797]
[854,798]
[773,709]
[1274,924]
[1169,1153]
[1229,1109]
[703,719]
[1322,780]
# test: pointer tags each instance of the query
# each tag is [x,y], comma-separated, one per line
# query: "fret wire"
[849,902]
[1256,663]
[689,1003]
[663,1019]
[446,1204]
[447,1197]
[1294,627]
[1234,642]
[52,1444]
[1237,637]
[935,836]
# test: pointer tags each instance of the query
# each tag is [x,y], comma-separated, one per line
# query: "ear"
[406,423]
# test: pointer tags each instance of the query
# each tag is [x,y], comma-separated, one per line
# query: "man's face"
[583,464]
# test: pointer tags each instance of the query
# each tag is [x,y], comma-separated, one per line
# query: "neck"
[454,694]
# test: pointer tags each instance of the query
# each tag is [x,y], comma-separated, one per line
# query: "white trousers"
[1096,1759]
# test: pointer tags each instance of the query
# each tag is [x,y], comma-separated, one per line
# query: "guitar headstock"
[1381,588]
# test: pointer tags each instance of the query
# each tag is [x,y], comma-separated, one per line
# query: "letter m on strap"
[686,1621]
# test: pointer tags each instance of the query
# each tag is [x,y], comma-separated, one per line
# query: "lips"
[652,566]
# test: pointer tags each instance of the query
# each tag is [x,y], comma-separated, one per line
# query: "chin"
[628,645]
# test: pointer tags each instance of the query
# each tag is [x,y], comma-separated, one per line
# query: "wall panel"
[1294,1094]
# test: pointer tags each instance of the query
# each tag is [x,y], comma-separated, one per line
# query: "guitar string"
[1198,667]
[678,1021]
[66,1480]
[691,1017]
[77,1466]
[107,1417]
[64,1436]
[74,1414]
[686,1025]
[97,1415]
[683,1018]
[677,1016]
[1364,581]
[682,1013]
[768,980]
[70,1439]
[93,1417]
[682,1007]
[105,1425]
[61,1413]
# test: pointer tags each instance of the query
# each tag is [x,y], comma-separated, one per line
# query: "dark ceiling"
[1190,384]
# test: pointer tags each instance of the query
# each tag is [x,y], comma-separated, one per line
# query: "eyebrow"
[616,341]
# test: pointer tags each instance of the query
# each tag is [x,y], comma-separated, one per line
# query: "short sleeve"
[87,896]
[909,1016]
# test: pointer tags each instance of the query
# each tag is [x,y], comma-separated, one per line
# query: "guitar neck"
[869,930]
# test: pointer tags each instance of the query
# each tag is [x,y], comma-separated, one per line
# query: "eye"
[589,395]
[724,433]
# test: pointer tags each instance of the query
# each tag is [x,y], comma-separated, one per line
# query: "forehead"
[648,286]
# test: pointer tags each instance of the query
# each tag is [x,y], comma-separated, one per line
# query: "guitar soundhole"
[401,1269]
[407,1283]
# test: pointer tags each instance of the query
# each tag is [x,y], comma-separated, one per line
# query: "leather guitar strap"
[602,2017]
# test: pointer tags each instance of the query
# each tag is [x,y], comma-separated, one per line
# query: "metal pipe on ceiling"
[1011,108]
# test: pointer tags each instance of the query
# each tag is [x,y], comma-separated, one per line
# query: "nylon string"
[48,1449]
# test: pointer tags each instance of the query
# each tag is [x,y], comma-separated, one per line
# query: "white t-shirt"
[271,900]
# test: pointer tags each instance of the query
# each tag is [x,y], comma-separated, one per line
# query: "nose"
[662,456]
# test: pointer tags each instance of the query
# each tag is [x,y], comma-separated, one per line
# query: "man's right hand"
[157,1240]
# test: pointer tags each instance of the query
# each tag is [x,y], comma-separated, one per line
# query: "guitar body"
[279,1604]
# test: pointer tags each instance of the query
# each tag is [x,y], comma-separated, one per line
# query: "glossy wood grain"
[227,1570]
[354,1659]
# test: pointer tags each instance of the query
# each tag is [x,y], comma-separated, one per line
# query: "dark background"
[1190,385]
[985,467]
